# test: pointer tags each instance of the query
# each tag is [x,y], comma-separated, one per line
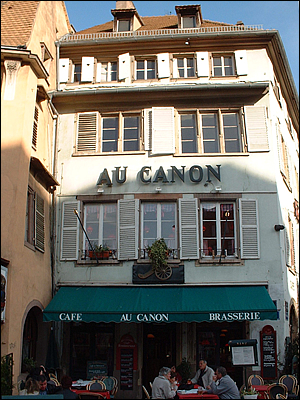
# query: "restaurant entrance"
[158,350]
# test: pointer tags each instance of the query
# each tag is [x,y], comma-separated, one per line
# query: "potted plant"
[250,393]
[158,253]
[100,251]
[28,364]
[185,370]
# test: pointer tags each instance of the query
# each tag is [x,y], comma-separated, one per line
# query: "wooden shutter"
[279,148]
[87,128]
[249,229]
[175,68]
[256,128]
[202,63]
[163,140]
[70,231]
[124,66]
[39,223]
[63,70]
[128,229]
[87,69]
[241,62]
[189,232]
[147,128]
[35,127]
[163,65]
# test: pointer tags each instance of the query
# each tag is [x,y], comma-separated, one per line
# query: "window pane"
[190,67]
[231,133]
[150,69]
[189,22]
[210,133]
[228,66]
[149,223]
[113,71]
[180,66]
[77,73]
[104,72]
[110,134]
[140,69]
[188,133]
[124,26]
[110,225]
[92,220]
[168,224]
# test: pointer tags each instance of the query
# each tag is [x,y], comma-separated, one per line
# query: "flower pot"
[99,254]
[250,396]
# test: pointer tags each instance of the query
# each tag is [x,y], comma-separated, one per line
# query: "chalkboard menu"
[126,373]
[96,368]
[268,352]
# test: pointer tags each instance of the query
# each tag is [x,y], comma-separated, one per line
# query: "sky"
[280,15]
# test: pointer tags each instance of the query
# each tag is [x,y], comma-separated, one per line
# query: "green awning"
[161,304]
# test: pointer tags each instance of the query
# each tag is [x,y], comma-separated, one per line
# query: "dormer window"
[188,21]
[124,25]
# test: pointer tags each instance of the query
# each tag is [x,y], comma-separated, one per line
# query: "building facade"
[185,129]
[28,120]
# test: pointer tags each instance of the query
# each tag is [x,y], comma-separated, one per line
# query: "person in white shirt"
[161,388]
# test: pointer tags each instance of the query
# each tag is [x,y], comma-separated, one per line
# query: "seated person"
[161,388]
[204,375]
[66,383]
[223,385]
[31,387]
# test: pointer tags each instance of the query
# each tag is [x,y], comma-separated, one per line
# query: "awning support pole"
[90,244]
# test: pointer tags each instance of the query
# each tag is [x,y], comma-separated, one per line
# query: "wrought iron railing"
[159,32]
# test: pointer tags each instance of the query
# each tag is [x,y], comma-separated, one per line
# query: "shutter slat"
[70,231]
[256,127]
[87,137]
[189,232]
[249,229]
[128,229]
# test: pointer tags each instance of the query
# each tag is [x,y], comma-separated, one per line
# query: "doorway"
[159,349]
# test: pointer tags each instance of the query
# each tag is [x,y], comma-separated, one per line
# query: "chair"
[96,386]
[292,384]
[150,383]
[277,388]
[53,379]
[146,392]
[255,380]
[115,388]
[280,396]
[109,384]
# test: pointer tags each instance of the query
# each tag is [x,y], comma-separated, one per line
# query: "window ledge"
[211,155]
[30,246]
[94,153]
[215,262]
[83,263]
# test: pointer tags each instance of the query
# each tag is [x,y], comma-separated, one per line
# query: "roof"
[17,19]
[151,23]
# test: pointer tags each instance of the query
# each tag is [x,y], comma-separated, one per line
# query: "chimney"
[122,5]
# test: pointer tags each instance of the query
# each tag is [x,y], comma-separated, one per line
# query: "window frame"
[223,66]
[187,18]
[128,20]
[109,71]
[145,68]
[196,133]
[185,67]
[218,236]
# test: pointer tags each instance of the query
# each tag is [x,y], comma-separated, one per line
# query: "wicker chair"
[277,388]
[146,392]
[292,384]
[255,380]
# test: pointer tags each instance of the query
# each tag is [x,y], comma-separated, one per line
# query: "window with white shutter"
[87,69]
[289,244]
[248,211]
[202,63]
[163,133]
[241,62]
[87,132]
[63,70]
[35,127]
[124,66]
[188,221]
[70,231]
[128,229]
[163,65]
[39,223]
[256,128]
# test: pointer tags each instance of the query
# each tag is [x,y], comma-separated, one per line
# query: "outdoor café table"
[190,394]
[262,389]
[104,393]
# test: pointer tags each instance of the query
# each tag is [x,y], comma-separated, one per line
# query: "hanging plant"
[158,253]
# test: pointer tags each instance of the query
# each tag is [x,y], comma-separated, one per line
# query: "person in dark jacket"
[66,383]
[223,385]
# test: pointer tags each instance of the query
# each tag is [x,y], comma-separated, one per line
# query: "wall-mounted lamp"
[218,188]
[187,42]
[100,189]
[158,189]
[279,227]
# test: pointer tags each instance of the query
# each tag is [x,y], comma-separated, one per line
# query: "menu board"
[126,372]
[243,355]
[268,353]
[96,368]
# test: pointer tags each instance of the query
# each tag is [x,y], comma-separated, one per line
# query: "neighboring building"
[29,30]
[186,129]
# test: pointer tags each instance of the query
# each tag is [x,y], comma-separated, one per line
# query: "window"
[130,138]
[145,69]
[188,21]
[222,65]
[35,220]
[221,133]
[100,222]
[124,25]
[188,133]
[159,221]
[77,73]
[108,71]
[218,229]
[186,67]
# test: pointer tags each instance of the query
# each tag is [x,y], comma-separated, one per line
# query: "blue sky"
[280,15]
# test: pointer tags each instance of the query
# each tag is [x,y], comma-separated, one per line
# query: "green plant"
[100,248]
[29,363]
[184,369]
[158,253]
[251,391]
[6,375]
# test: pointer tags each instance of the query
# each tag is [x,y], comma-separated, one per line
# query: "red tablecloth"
[261,390]
[104,393]
[197,396]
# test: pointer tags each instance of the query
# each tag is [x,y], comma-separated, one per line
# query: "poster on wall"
[3,291]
